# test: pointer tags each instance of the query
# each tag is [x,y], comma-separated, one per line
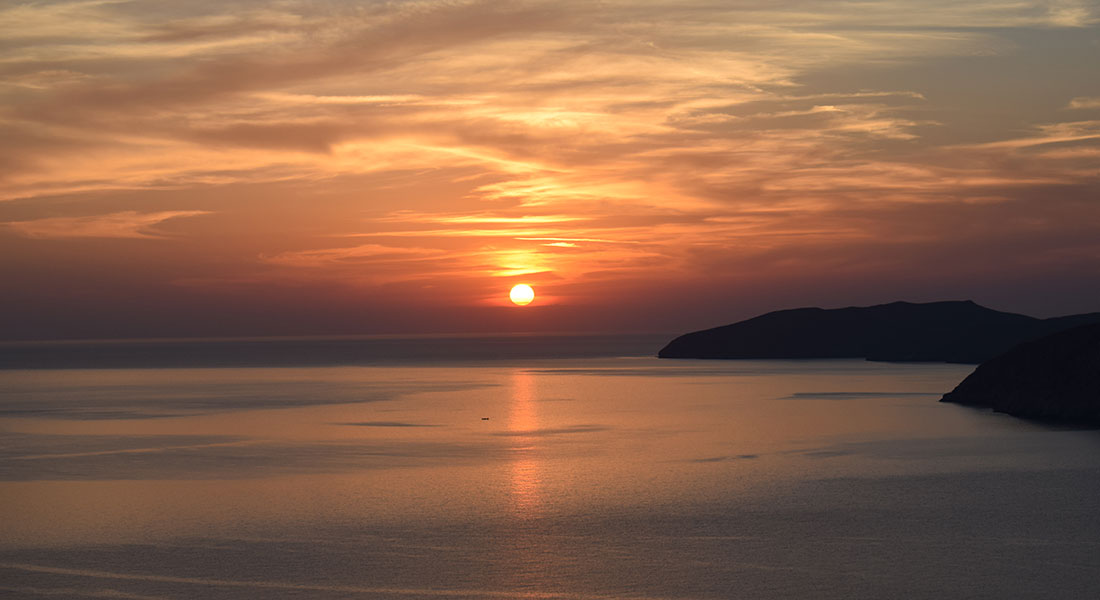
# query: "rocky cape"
[955,331]
[1054,378]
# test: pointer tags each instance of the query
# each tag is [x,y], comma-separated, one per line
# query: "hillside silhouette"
[1056,377]
[953,331]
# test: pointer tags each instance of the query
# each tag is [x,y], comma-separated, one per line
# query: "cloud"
[1084,102]
[569,240]
[126,224]
[366,253]
[1055,133]
[572,143]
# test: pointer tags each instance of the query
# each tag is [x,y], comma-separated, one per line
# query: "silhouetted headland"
[1053,378]
[956,332]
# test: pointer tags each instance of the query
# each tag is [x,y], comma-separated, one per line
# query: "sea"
[572,467]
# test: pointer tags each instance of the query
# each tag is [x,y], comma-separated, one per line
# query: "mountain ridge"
[957,331]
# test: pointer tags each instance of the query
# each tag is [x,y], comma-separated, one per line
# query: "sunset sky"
[215,168]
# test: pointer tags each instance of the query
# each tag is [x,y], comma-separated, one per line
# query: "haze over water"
[614,476]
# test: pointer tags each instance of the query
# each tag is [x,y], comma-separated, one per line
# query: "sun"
[522,294]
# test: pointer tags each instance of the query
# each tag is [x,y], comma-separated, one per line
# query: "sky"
[208,168]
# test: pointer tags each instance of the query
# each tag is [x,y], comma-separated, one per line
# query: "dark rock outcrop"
[961,332]
[1053,378]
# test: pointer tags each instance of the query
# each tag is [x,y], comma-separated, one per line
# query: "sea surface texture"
[488,473]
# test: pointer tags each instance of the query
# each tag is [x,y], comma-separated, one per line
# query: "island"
[1055,378]
[951,331]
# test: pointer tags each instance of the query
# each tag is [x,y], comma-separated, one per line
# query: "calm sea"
[571,467]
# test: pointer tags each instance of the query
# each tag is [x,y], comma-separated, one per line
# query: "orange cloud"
[458,143]
[126,224]
[367,253]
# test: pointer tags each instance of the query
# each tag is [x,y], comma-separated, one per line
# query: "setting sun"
[522,294]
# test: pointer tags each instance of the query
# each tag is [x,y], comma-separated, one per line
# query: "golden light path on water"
[523,423]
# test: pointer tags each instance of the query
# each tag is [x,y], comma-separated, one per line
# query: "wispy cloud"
[366,253]
[563,142]
[592,240]
[1084,102]
[126,224]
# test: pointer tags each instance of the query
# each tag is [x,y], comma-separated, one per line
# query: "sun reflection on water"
[523,423]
